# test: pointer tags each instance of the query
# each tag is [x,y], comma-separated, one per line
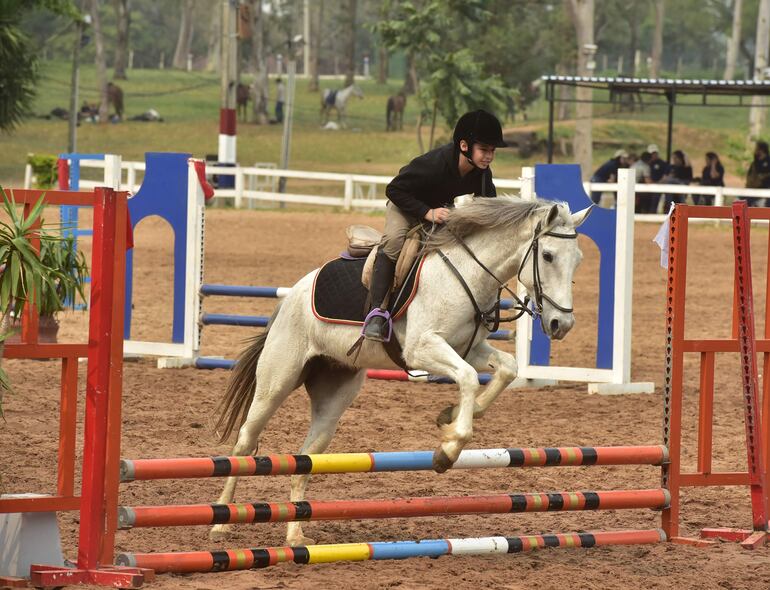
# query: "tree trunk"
[382,65]
[215,37]
[184,40]
[757,111]
[123,21]
[582,14]
[734,42]
[316,21]
[657,38]
[633,42]
[101,61]
[258,64]
[350,49]
[411,80]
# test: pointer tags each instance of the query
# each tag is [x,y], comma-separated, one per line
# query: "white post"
[239,182]
[28,176]
[719,198]
[524,323]
[112,171]
[194,262]
[131,176]
[348,197]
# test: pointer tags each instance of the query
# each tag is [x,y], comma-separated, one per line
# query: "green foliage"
[63,255]
[452,76]
[18,60]
[45,170]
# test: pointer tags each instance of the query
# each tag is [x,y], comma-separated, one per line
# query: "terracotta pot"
[48,328]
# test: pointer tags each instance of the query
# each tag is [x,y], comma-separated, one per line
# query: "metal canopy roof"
[668,89]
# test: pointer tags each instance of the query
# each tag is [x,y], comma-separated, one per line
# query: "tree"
[734,42]
[258,64]
[314,46]
[452,79]
[582,14]
[350,46]
[657,38]
[184,39]
[101,60]
[762,43]
[18,60]
[123,26]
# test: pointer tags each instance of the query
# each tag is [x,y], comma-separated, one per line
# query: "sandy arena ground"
[167,413]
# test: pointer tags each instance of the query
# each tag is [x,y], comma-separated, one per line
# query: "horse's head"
[549,264]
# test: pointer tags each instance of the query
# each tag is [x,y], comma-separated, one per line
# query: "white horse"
[488,242]
[340,101]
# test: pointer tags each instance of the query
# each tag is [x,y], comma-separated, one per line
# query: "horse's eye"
[547,256]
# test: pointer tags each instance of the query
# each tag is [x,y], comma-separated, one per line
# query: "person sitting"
[713,175]
[641,168]
[758,175]
[680,173]
[658,169]
[424,191]
[608,172]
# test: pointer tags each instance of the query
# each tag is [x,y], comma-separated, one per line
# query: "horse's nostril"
[554,326]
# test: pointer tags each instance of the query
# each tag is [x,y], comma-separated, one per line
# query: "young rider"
[423,191]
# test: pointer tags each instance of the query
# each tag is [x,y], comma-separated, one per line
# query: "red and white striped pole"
[229,66]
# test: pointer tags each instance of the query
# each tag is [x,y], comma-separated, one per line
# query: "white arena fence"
[360,191]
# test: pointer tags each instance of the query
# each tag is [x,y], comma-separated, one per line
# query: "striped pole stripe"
[242,559]
[143,469]
[243,291]
[206,514]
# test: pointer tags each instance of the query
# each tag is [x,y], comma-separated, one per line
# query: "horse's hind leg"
[277,377]
[331,389]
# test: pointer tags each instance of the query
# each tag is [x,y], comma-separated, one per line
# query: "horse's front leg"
[484,357]
[432,353]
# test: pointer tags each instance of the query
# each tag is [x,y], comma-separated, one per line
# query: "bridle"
[491,318]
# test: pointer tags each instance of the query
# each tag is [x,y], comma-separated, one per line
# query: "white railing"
[360,191]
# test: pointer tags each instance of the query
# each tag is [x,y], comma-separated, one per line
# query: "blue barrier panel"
[562,182]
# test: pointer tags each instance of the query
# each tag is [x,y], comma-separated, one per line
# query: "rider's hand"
[438,215]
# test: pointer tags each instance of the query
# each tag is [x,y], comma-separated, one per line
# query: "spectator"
[641,168]
[713,175]
[280,99]
[608,172]
[658,169]
[759,173]
[680,172]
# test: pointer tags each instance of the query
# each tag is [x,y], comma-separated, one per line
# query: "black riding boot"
[377,322]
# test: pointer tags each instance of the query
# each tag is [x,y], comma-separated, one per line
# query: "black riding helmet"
[478,127]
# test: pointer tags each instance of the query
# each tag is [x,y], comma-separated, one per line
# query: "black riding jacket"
[433,180]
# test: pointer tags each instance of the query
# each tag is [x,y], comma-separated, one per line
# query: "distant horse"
[115,98]
[242,97]
[337,99]
[394,115]
[439,332]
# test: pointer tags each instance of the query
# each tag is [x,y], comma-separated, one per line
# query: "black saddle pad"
[331,98]
[339,297]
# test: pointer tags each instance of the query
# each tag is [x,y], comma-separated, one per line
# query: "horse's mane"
[487,213]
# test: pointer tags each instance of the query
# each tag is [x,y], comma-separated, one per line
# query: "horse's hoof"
[300,541]
[445,417]
[441,461]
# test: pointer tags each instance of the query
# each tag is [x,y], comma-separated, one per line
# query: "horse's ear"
[553,215]
[579,218]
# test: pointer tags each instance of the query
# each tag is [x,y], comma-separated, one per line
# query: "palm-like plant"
[26,276]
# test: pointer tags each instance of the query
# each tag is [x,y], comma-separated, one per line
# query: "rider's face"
[483,155]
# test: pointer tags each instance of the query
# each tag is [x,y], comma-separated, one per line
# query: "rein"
[491,318]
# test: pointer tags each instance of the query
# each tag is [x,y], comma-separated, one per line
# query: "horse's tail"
[234,407]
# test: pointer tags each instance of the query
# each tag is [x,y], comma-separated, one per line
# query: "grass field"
[189,103]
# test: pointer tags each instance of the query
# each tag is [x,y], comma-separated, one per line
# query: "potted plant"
[64,290]
[58,273]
